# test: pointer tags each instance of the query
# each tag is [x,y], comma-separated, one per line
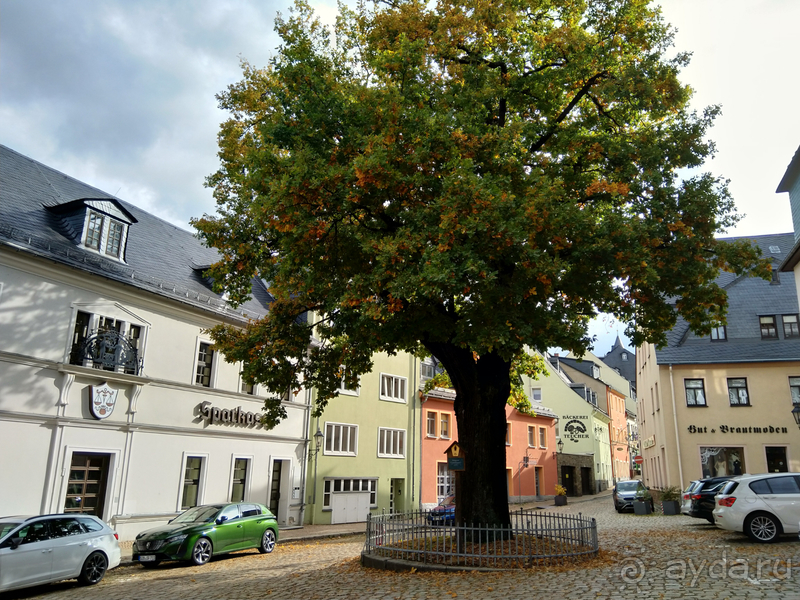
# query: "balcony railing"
[108,350]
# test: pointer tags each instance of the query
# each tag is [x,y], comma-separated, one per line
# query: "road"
[650,557]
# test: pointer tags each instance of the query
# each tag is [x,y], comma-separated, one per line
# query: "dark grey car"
[625,492]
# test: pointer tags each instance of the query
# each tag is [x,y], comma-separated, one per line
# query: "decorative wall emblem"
[575,430]
[103,400]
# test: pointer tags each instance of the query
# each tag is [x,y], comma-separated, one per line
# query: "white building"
[112,399]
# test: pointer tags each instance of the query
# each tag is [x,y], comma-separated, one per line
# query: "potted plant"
[561,495]
[643,503]
[670,500]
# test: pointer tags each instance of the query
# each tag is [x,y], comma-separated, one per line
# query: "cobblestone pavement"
[651,557]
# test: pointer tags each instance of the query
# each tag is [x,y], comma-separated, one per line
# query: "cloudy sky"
[120,94]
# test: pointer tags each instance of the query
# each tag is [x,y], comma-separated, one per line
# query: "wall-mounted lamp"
[560,446]
[796,414]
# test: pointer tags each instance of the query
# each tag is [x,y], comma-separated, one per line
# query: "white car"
[762,506]
[43,549]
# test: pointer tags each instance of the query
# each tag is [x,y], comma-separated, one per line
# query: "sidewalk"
[316,532]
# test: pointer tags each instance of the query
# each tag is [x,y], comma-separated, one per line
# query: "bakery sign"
[575,429]
[229,416]
[103,399]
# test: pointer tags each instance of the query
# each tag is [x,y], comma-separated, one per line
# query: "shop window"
[737,391]
[695,392]
[721,461]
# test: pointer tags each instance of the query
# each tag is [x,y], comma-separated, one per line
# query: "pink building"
[530,450]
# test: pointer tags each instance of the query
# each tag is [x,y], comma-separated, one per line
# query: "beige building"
[722,404]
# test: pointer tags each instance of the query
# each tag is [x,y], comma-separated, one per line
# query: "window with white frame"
[542,437]
[341,439]
[536,394]
[107,343]
[790,326]
[393,388]
[531,436]
[333,486]
[204,364]
[104,234]
[391,443]
[445,481]
[347,386]
[431,423]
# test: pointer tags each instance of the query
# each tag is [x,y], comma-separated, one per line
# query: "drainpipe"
[675,421]
[414,432]
[304,470]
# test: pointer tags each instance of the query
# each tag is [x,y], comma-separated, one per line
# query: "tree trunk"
[482,388]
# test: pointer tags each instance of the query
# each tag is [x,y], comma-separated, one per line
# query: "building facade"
[722,404]
[113,400]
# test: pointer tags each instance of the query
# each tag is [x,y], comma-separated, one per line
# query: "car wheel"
[267,542]
[762,527]
[201,552]
[94,567]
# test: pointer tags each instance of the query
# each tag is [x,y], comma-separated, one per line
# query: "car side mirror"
[221,520]
[15,542]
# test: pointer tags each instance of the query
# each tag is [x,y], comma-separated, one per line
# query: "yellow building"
[722,404]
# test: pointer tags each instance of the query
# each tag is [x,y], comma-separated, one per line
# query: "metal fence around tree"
[533,538]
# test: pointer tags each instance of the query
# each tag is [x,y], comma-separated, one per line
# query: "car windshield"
[627,486]
[448,501]
[6,526]
[198,514]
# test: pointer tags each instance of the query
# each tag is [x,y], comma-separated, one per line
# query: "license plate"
[146,558]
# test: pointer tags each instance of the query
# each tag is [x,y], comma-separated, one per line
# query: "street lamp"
[796,414]
[560,446]
[318,437]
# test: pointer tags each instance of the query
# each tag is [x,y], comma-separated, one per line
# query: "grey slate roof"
[160,258]
[626,368]
[748,298]
[791,174]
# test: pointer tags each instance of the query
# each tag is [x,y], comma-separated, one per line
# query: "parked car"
[48,548]
[686,504]
[205,531]
[762,506]
[444,513]
[625,492]
[703,497]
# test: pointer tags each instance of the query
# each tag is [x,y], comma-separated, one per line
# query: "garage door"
[349,507]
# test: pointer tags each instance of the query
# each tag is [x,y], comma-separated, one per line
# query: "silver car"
[44,549]
[686,503]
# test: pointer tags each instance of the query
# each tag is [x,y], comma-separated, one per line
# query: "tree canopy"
[471,178]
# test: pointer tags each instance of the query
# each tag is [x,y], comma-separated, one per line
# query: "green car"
[204,531]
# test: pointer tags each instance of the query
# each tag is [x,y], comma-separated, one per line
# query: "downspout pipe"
[675,422]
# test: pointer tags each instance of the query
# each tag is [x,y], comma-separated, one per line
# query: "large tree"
[468,179]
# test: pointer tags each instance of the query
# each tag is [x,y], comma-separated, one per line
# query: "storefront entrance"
[776,459]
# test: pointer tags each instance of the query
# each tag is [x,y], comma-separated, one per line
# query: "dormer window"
[624,356]
[719,333]
[103,234]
